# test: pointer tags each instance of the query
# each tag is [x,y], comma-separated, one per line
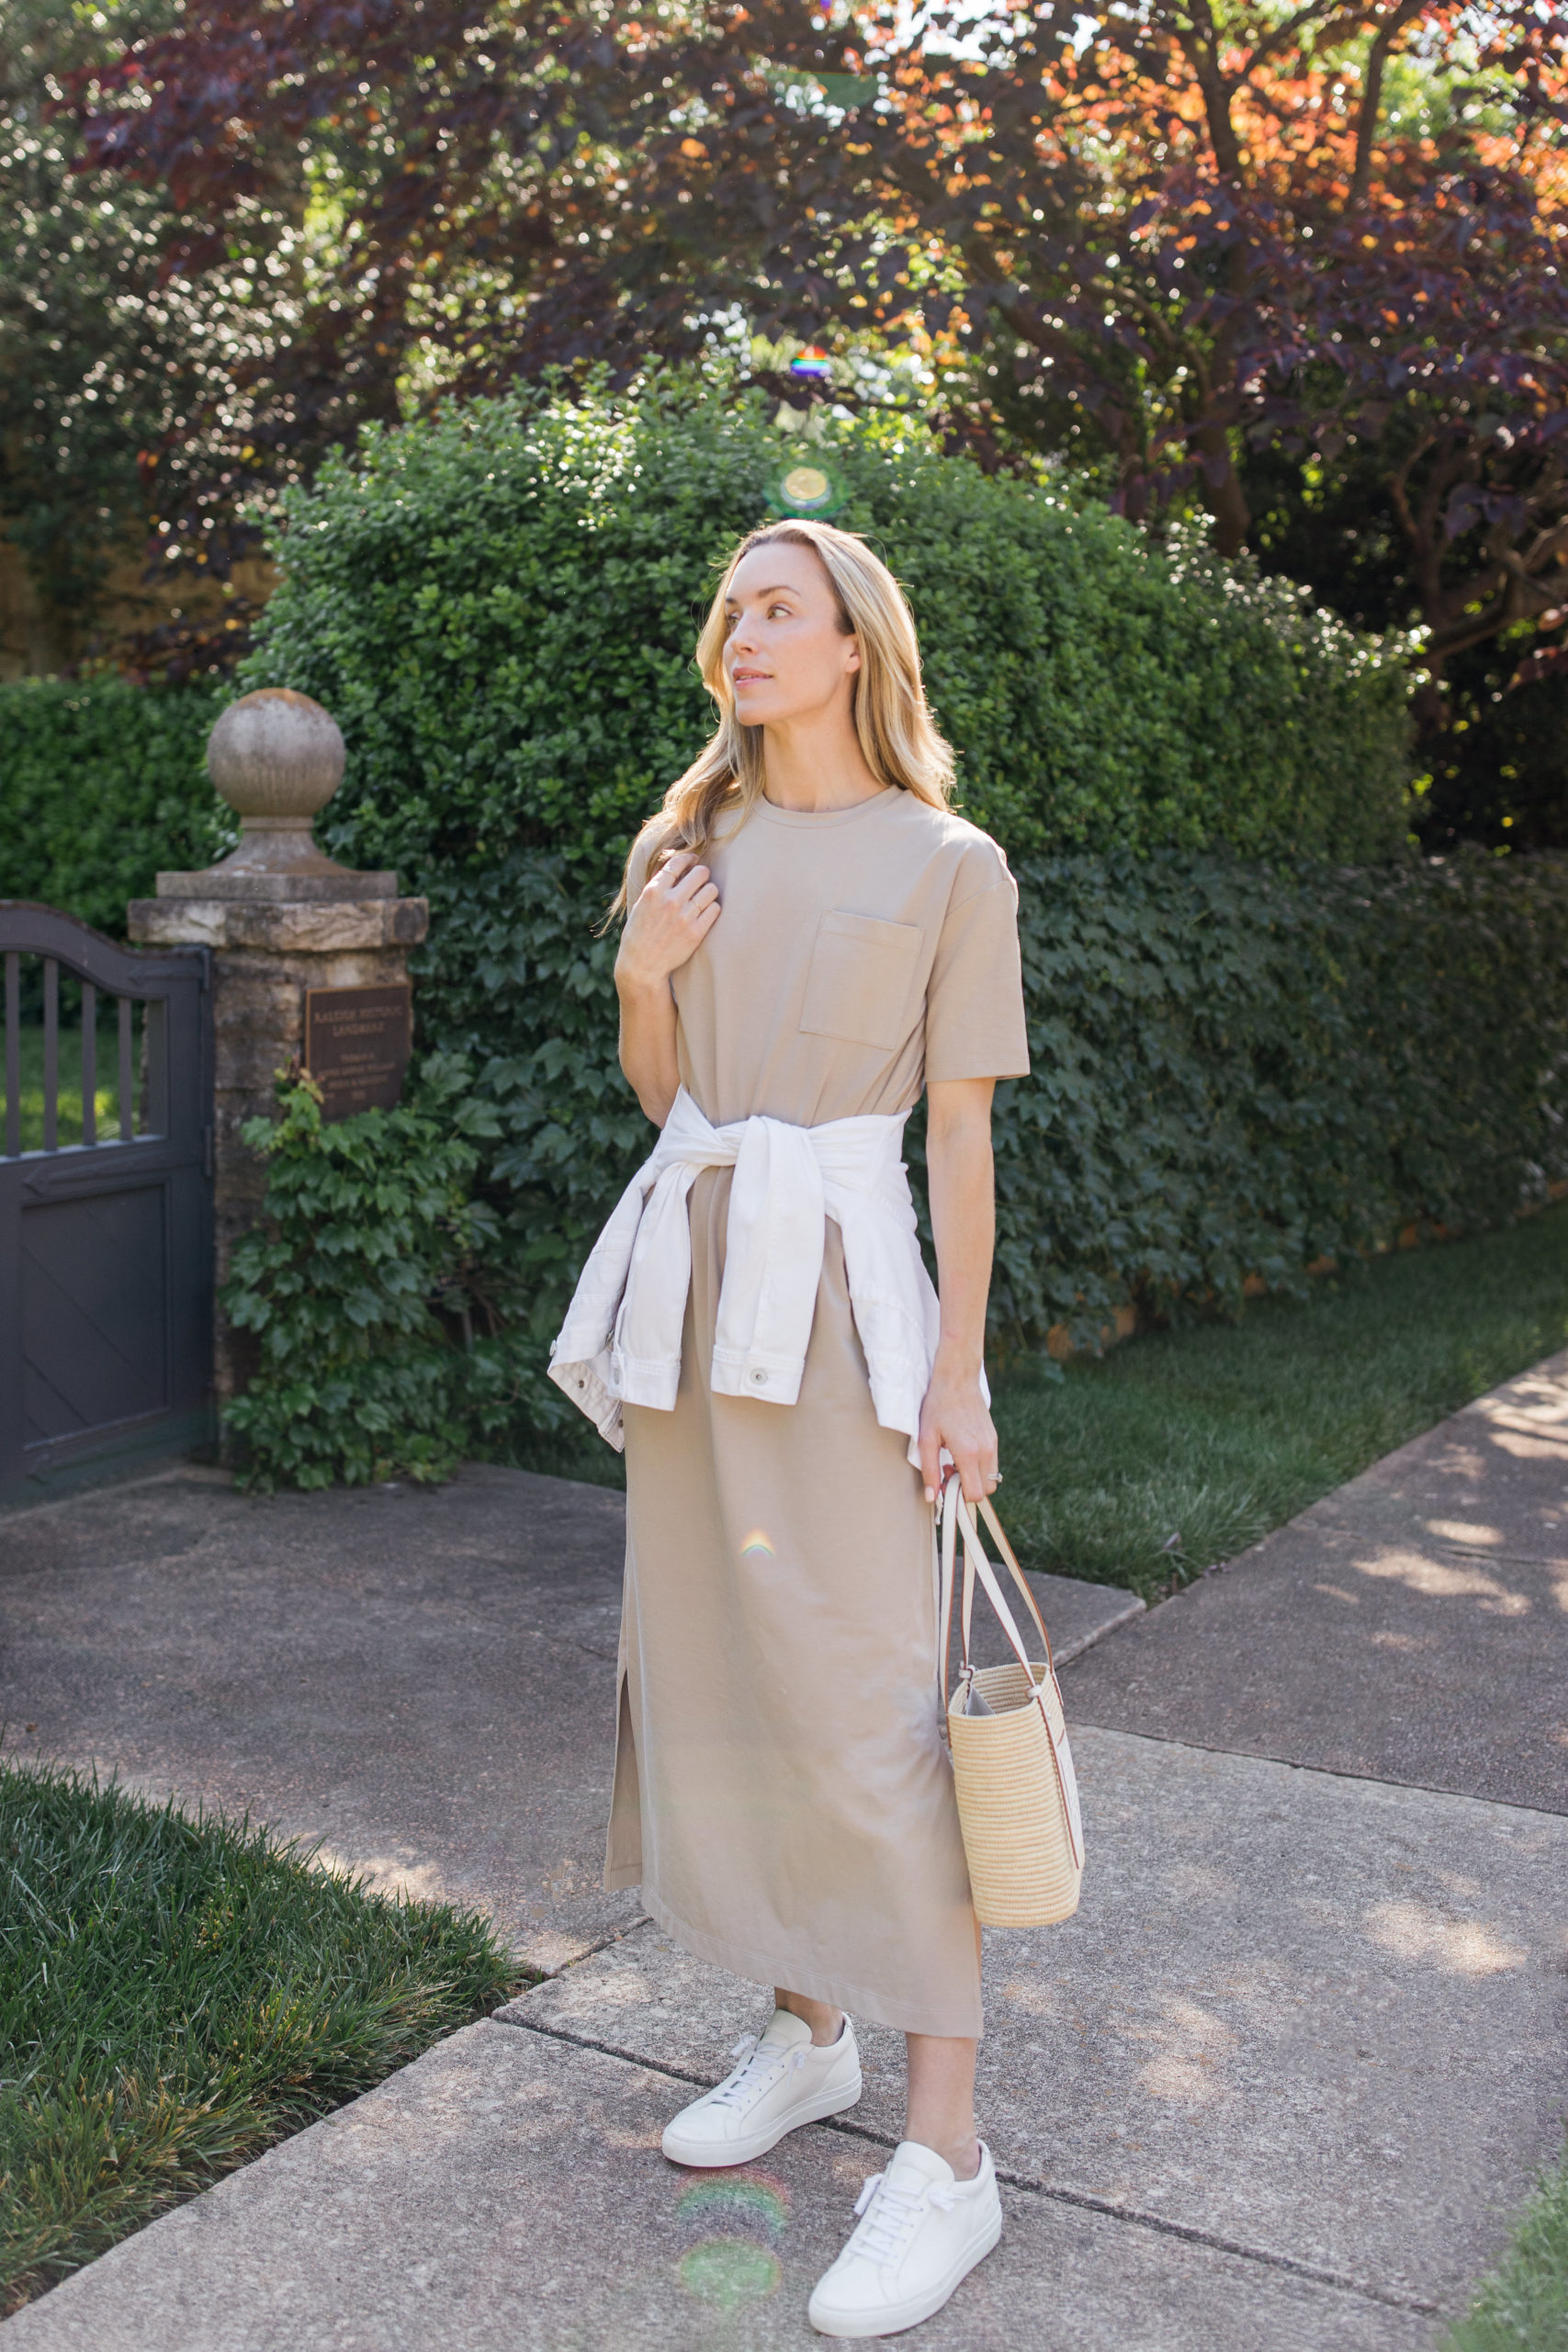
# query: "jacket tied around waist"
[621,1342]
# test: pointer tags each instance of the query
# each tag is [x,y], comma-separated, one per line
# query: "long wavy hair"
[899,737]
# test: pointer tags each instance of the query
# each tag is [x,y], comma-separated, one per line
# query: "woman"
[810,935]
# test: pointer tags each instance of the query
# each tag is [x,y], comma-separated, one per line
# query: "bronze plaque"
[357,1046]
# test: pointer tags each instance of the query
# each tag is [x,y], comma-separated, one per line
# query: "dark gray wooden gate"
[105,1200]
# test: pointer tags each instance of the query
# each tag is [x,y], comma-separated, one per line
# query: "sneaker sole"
[708,2158]
[899,2316]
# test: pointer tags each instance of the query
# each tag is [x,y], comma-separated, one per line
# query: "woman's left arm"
[963,1220]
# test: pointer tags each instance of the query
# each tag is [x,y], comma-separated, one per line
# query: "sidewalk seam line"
[553,1975]
[1084,2199]
[1324,1771]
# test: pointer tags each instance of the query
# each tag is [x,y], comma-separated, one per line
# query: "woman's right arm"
[670,918]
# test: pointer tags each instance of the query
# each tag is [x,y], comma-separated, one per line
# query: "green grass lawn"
[1523,2305]
[68,1097]
[176,1995]
[1181,1448]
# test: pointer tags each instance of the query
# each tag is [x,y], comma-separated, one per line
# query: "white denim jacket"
[620,1341]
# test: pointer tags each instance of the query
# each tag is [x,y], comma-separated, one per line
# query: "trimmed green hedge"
[1238,1070]
[102,783]
[500,605]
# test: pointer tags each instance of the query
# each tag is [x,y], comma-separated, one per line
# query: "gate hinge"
[207,1151]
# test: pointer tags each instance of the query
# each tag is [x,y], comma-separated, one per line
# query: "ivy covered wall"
[1237,1070]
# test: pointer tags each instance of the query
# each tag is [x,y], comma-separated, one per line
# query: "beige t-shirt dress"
[781,1791]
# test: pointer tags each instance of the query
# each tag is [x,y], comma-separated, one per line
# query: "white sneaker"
[782,2080]
[922,2230]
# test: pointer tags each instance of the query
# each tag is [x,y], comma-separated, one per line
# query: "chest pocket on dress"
[859,982]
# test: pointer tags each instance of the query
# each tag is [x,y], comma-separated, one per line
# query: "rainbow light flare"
[764,2199]
[731,2271]
[758,1541]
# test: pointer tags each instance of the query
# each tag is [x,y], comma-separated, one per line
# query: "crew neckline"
[763,807]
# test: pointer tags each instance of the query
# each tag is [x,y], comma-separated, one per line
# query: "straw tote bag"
[1018,1799]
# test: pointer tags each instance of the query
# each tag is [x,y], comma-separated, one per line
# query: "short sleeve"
[974,1023]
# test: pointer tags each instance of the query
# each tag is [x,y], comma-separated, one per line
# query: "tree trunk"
[1225,498]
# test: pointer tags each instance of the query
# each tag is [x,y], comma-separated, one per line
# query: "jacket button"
[759,1376]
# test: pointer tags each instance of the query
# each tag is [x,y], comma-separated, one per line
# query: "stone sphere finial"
[275,754]
[277,758]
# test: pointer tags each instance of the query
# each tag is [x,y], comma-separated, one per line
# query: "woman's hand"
[952,1415]
[674,913]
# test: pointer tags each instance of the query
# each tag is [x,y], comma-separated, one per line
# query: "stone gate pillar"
[280,918]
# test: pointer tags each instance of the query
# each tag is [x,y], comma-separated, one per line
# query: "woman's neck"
[816,765]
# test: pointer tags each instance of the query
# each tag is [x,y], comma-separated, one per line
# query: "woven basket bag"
[1017,1799]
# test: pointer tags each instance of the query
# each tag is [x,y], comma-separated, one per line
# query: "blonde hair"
[899,737]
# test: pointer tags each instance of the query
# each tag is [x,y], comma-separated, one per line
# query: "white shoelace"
[890,2212]
[758,2073]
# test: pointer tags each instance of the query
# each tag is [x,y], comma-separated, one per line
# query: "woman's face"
[785,656]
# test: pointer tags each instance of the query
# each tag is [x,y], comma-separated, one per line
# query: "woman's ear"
[852,662]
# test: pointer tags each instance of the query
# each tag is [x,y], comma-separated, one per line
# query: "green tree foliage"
[107,365]
[1495,770]
[1177,236]
[1167,236]
[437,200]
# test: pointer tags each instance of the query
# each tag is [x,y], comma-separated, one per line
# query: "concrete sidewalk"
[1281,2082]
[1411,1626]
[422,1679]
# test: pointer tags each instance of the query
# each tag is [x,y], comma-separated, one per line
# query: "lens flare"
[758,1541]
[807,486]
[752,2201]
[729,2272]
